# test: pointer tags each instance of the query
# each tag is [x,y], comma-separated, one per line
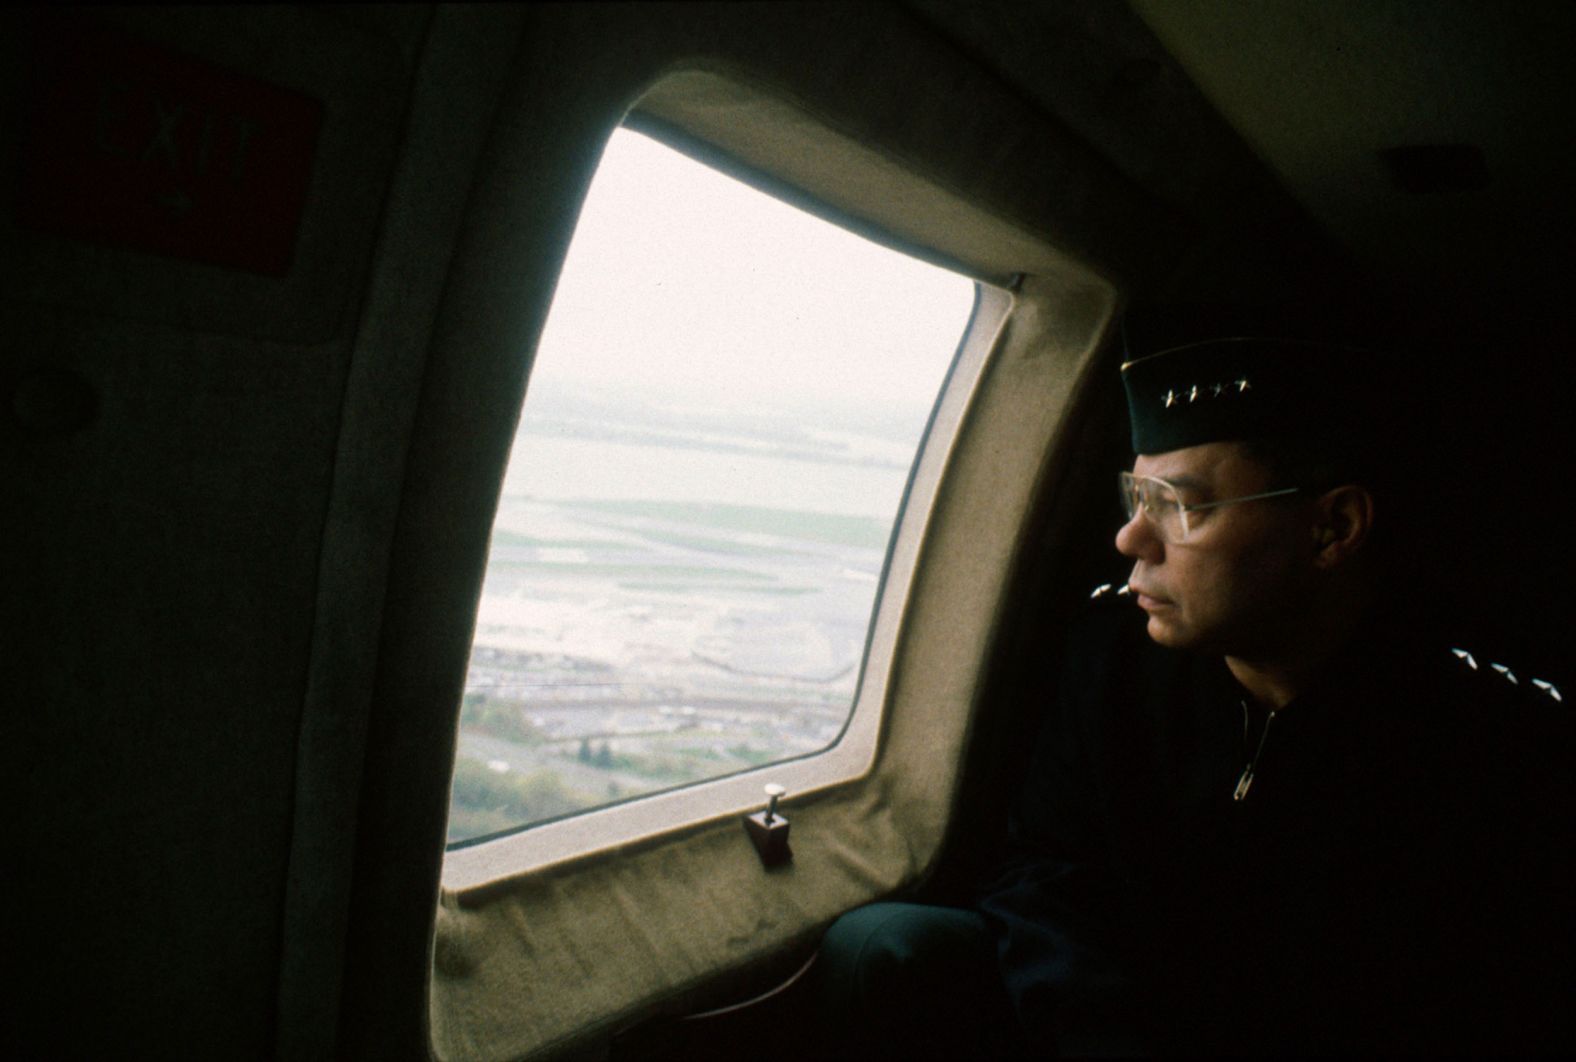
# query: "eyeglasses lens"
[1159,504]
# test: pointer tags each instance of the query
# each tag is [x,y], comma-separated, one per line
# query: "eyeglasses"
[1165,511]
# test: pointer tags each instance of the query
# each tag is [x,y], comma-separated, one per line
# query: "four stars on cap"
[1214,390]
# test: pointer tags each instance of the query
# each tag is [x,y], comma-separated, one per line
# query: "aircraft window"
[718,433]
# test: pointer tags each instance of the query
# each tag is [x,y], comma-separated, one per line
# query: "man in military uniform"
[1264,814]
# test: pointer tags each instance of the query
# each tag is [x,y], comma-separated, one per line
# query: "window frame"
[618,932]
[716,118]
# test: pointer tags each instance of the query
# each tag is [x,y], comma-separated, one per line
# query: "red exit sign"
[138,146]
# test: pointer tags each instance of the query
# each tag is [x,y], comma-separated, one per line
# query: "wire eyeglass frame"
[1138,493]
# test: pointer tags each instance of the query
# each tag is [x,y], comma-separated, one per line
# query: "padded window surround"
[539,960]
[472,974]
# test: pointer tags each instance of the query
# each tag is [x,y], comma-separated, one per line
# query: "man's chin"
[1164,632]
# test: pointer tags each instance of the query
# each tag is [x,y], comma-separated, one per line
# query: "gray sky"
[682,280]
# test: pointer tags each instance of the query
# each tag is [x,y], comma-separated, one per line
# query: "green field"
[690,587]
[514,538]
[836,529]
[690,572]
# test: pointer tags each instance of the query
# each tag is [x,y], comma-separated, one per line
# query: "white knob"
[774,792]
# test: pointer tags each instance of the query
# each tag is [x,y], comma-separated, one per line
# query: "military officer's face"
[1242,577]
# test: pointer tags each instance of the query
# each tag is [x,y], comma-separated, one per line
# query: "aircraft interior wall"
[249,505]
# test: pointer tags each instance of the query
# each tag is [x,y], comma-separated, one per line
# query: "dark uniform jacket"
[1397,877]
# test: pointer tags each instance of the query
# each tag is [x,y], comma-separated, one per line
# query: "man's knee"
[900,980]
[880,946]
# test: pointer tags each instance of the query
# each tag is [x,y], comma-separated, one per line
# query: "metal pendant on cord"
[1245,781]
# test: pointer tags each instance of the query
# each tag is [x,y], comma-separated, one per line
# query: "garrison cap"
[1234,389]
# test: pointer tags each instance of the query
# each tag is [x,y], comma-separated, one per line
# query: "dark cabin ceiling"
[1432,140]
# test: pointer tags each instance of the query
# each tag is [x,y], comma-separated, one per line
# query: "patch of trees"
[504,719]
[485,801]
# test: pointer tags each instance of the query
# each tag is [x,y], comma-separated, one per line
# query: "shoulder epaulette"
[1543,686]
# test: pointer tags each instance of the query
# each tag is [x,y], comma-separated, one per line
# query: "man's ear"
[1345,519]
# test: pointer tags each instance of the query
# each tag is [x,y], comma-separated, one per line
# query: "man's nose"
[1137,539]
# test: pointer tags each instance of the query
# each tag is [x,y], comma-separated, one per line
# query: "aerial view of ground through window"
[700,496]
